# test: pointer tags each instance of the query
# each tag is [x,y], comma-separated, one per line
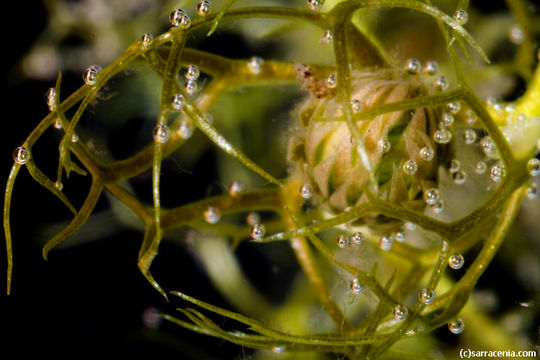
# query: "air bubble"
[427,296]
[400,312]
[533,166]
[49,97]
[456,326]
[459,177]
[58,124]
[386,242]
[203,8]
[74,138]
[456,261]
[236,188]
[162,133]
[410,167]
[327,37]
[192,72]
[306,192]
[212,215]
[191,87]
[400,236]
[331,81]
[255,65]
[447,119]
[185,129]
[427,153]
[315,4]
[21,155]
[90,75]
[179,18]
[58,185]
[178,101]
[442,136]
[355,286]
[432,196]
[432,67]
[253,218]
[480,167]
[342,241]
[383,146]
[454,107]
[146,39]
[278,349]
[357,238]
[413,66]
[357,106]
[489,148]
[257,231]
[438,207]
[516,34]
[469,136]
[532,191]
[497,172]
[442,83]
[461,17]
[455,165]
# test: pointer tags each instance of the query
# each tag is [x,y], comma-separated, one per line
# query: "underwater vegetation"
[301,179]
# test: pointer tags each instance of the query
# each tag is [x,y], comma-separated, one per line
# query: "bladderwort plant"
[393,174]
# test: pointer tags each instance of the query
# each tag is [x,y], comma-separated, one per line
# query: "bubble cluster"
[180,19]
[533,167]
[315,4]
[90,75]
[497,172]
[532,191]
[49,97]
[489,148]
[21,155]
[203,8]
